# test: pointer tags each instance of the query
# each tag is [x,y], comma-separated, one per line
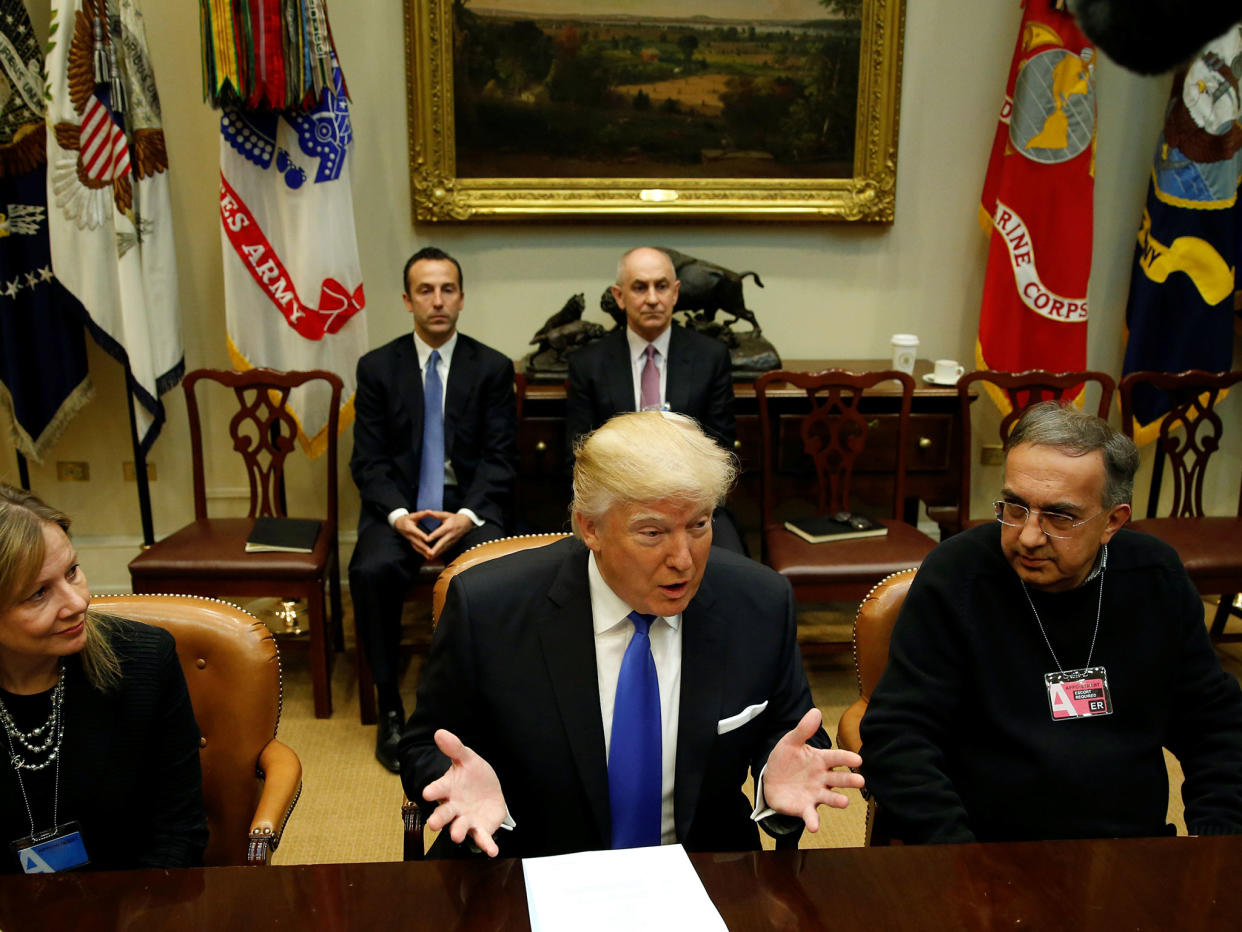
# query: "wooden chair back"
[1189,434]
[263,431]
[1019,390]
[833,432]
[232,670]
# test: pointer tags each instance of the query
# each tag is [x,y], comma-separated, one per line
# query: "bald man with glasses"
[1041,663]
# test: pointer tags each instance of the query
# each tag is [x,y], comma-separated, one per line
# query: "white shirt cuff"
[762,810]
[478,522]
[395,514]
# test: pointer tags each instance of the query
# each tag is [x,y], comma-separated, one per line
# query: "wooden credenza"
[931,456]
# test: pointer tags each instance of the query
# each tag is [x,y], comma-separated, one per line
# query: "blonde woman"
[99,753]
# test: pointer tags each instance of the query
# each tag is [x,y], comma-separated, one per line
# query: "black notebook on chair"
[283,535]
[841,526]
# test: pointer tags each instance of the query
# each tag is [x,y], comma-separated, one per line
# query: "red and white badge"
[1078,693]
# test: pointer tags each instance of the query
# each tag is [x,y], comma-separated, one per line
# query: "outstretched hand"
[469,796]
[800,778]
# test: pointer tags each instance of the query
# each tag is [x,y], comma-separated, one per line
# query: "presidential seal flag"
[1036,204]
[1184,279]
[43,377]
[292,277]
[107,190]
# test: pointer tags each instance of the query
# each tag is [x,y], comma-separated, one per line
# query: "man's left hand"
[800,778]
[452,527]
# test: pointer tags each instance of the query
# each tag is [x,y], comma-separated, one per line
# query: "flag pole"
[140,472]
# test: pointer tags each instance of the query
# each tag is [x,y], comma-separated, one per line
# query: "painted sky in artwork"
[719,9]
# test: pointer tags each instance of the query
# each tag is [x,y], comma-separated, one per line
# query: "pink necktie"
[650,382]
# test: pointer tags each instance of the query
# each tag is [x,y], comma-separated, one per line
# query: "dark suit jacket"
[699,383]
[480,428]
[512,673]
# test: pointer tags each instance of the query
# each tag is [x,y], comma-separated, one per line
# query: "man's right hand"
[469,796]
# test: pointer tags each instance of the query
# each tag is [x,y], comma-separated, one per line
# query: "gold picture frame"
[439,194]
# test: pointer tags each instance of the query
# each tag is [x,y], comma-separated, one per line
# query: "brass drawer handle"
[541,447]
[924,443]
[737,444]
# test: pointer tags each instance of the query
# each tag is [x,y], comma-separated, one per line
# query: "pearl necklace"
[43,741]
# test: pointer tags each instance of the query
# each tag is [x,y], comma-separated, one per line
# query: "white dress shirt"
[613,631]
[442,368]
[638,361]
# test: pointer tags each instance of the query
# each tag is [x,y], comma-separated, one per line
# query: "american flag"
[105,153]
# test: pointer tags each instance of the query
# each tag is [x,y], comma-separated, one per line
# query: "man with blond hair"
[612,690]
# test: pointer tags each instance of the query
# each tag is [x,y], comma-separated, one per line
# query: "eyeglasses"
[1052,523]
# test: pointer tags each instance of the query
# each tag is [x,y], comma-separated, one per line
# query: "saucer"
[930,379]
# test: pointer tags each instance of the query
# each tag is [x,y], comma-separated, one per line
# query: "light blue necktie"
[635,764]
[431,466]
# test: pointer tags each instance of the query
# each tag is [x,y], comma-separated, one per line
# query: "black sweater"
[958,740]
[129,771]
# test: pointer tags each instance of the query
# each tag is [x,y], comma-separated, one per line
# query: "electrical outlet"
[131,475]
[73,471]
[991,454]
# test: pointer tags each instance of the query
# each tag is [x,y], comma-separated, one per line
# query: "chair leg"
[1223,612]
[320,655]
[367,711]
[338,613]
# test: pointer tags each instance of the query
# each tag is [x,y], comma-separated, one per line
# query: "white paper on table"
[634,888]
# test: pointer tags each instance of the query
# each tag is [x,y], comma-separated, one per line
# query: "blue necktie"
[635,765]
[431,466]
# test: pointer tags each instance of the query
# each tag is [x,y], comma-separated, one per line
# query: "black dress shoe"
[387,736]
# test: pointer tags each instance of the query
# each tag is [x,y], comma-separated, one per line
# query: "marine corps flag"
[43,377]
[1181,307]
[107,191]
[1036,204]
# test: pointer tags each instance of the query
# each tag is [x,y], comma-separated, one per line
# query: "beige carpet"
[350,809]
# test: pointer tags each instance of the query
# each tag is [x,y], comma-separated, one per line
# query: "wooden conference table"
[1160,883]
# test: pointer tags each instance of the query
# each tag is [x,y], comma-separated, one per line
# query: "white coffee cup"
[905,349]
[947,370]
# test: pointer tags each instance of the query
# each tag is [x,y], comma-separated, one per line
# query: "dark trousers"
[380,573]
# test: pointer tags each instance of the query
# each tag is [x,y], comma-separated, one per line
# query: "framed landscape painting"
[748,109]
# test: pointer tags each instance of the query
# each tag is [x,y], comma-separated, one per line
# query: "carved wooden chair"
[821,449]
[1209,546]
[208,557]
[251,781]
[421,589]
[873,629]
[411,816]
[1019,390]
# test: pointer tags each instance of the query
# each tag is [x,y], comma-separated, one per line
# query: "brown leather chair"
[1017,391]
[208,557]
[423,587]
[411,818]
[873,628]
[821,448]
[1209,546]
[251,781]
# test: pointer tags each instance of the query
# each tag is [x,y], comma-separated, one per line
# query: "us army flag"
[43,377]
[292,278]
[1036,204]
[107,191]
[1184,278]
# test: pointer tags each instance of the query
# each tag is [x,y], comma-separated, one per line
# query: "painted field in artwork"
[615,91]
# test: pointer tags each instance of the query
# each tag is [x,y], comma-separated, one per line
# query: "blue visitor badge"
[60,849]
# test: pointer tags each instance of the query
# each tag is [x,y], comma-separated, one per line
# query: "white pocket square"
[726,725]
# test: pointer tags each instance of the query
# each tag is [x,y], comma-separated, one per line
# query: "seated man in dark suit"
[651,364]
[613,689]
[435,455]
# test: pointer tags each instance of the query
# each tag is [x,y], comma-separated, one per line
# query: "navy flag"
[43,377]
[1182,288]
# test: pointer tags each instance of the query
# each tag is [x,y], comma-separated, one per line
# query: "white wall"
[833,290]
